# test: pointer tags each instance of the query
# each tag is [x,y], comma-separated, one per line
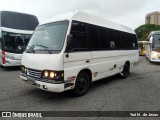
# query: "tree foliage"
[144,30]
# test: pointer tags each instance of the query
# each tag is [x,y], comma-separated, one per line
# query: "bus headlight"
[53,75]
[154,54]
[46,74]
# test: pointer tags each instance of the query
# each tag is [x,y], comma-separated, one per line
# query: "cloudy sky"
[127,12]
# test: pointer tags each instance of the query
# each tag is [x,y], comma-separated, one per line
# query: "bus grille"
[34,73]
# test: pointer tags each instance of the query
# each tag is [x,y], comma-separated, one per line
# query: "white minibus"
[71,51]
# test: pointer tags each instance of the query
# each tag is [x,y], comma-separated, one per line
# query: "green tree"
[144,30]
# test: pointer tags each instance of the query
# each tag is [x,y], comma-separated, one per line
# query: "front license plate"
[31,81]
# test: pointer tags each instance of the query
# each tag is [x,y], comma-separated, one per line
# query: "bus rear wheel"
[125,73]
[82,84]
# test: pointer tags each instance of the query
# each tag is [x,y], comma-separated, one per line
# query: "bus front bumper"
[155,60]
[10,62]
[43,85]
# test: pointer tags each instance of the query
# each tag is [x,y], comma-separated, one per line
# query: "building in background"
[153,18]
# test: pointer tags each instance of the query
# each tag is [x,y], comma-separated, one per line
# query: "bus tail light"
[3,58]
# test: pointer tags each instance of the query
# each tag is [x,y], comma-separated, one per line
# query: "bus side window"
[112,39]
[104,42]
[78,30]
[125,41]
[134,42]
[93,35]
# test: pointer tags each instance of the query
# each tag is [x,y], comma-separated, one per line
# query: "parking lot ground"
[139,92]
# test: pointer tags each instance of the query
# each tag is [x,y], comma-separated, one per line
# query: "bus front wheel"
[82,84]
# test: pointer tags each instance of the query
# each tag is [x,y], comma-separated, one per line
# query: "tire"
[150,61]
[1,66]
[82,84]
[126,69]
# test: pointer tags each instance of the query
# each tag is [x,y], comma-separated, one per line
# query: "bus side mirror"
[69,41]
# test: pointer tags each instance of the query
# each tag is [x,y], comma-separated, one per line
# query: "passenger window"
[126,41]
[78,30]
[111,38]
[93,35]
[112,44]
[117,38]
[78,27]
[133,42]
[121,41]
[87,36]
[103,32]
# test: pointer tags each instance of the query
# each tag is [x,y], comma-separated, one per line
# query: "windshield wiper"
[31,49]
[42,46]
[45,47]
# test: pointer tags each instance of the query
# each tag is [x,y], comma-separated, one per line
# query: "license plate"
[31,80]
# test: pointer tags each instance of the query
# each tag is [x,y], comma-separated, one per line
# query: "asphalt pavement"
[139,92]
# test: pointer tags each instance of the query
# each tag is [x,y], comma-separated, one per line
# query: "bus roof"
[18,21]
[87,18]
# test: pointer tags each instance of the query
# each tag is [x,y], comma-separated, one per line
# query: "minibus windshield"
[49,37]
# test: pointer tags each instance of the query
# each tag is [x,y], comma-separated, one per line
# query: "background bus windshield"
[156,41]
[15,42]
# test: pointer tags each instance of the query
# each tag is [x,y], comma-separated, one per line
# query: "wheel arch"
[88,71]
[127,62]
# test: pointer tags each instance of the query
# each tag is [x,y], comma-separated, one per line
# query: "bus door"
[77,55]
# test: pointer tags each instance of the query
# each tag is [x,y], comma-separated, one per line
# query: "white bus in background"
[16,30]
[70,51]
[153,47]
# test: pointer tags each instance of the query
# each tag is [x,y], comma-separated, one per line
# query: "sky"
[126,12]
